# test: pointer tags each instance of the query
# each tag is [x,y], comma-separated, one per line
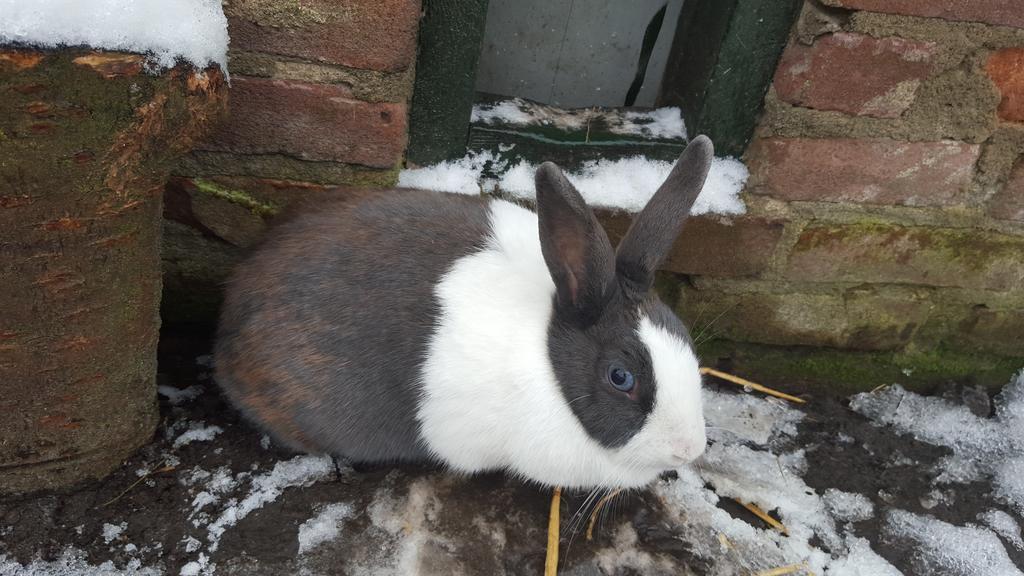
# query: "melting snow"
[953,550]
[662,123]
[193,30]
[324,527]
[983,448]
[197,433]
[178,396]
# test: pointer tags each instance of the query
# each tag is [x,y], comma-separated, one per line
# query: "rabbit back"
[324,329]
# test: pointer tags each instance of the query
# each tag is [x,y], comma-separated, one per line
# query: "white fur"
[489,395]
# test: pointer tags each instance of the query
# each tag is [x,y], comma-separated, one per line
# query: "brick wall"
[885,235]
[319,96]
[886,202]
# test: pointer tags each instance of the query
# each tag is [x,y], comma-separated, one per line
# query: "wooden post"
[86,142]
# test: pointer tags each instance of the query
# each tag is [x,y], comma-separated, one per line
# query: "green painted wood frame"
[723,57]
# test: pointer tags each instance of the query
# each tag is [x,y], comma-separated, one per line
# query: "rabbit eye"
[620,378]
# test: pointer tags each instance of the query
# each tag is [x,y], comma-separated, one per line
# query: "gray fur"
[325,328]
[649,239]
[590,331]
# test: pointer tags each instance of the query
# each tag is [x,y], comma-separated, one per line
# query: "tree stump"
[86,142]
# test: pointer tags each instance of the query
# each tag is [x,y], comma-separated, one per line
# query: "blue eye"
[620,378]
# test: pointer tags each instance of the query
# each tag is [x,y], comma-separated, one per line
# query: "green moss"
[833,371]
[262,209]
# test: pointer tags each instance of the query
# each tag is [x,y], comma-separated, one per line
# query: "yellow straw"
[551,561]
[754,385]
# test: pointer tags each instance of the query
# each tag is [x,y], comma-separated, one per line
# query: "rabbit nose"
[688,449]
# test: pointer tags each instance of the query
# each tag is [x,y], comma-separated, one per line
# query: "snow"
[742,464]
[72,562]
[265,488]
[166,30]
[197,433]
[324,527]
[406,520]
[623,184]
[848,506]
[179,396]
[948,549]
[1004,525]
[628,183]
[462,176]
[661,123]
[111,531]
[983,448]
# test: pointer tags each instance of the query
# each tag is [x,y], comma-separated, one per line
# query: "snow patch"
[983,448]
[324,527]
[72,562]
[299,471]
[1004,525]
[166,30]
[661,123]
[197,433]
[623,184]
[178,396]
[112,531]
[949,549]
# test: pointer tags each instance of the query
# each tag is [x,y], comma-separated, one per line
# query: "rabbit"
[471,332]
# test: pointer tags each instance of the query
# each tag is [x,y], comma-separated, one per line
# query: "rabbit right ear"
[649,239]
[575,246]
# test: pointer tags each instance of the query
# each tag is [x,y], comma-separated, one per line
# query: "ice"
[324,527]
[166,30]
[197,433]
[1004,525]
[949,549]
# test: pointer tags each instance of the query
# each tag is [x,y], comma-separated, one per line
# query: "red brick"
[998,12]
[884,253]
[1006,68]
[1008,204]
[366,34]
[738,247]
[854,73]
[869,171]
[310,122]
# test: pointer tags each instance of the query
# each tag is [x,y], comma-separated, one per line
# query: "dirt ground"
[147,518]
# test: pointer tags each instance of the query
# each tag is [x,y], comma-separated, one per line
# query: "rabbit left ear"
[648,241]
[575,247]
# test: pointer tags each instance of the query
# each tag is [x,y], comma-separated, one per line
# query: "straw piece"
[783,570]
[753,508]
[754,385]
[551,561]
[597,509]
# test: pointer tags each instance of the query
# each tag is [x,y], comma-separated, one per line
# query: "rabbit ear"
[649,239]
[575,247]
